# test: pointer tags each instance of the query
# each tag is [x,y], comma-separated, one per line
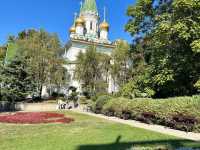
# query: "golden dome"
[72,29]
[80,21]
[104,25]
[82,17]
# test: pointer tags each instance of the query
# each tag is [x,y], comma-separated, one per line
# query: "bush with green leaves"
[179,113]
[100,102]
[135,89]
[83,100]
[197,85]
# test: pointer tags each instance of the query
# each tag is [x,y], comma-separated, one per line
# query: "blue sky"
[57,16]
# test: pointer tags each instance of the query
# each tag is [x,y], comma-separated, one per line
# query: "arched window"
[91,25]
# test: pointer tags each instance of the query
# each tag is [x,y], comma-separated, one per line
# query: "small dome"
[104,25]
[82,17]
[72,29]
[80,21]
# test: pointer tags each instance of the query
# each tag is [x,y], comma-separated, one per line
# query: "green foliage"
[83,100]
[11,51]
[196,46]
[73,96]
[138,87]
[91,68]
[41,51]
[42,63]
[16,81]
[197,85]
[100,102]
[120,63]
[159,111]
[2,53]
[128,90]
[167,43]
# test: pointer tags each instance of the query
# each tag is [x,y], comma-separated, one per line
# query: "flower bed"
[35,118]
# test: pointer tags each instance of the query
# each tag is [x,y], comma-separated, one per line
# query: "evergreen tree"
[16,81]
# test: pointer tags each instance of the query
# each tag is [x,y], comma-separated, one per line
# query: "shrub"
[147,117]
[128,90]
[83,100]
[134,89]
[86,94]
[197,85]
[54,94]
[180,113]
[185,123]
[100,102]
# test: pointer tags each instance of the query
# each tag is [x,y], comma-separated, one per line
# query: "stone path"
[155,128]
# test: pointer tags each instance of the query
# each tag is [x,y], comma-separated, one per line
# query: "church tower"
[87,30]
[89,14]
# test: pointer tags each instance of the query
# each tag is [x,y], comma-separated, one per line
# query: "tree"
[120,63]
[139,84]
[172,32]
[41,51]
[92,69]
[196,48]
[16,81]
[2,53]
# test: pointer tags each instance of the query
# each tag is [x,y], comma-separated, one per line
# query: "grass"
[86,133]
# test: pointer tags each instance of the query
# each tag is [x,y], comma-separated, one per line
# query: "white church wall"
[91,18]
[79,30]
[73,82]
[104,35]
[73,52]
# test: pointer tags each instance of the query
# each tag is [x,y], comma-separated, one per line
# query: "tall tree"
[92,69]
[172,28]
[120,63]
[16,81]
[41,51]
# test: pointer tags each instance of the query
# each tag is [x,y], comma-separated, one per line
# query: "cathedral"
[87,30]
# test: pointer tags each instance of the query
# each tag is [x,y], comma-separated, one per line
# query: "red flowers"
[35,118]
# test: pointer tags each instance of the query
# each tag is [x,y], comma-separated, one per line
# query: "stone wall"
[37,107]
[7,106]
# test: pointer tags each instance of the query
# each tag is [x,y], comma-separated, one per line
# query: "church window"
[91,25]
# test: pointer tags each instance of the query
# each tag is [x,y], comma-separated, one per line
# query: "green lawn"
[86,133]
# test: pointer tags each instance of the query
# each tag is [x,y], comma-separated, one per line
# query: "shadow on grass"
[173,143]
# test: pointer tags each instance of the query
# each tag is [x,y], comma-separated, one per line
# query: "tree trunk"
[40,92]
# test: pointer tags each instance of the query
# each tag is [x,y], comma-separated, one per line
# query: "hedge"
[100,102]
[182,113]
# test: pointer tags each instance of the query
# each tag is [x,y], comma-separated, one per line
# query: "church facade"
[88,30]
